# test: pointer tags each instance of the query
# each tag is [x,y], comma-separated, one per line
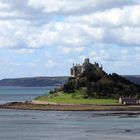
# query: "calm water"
[50,125]
[11,94]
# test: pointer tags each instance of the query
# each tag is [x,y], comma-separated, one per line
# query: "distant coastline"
[48,106]
[49,81]
[34,81]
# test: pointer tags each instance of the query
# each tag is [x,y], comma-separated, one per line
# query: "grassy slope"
[75,99]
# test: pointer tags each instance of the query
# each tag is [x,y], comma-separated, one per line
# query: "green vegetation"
[92,85]
[75,98]
[98,84]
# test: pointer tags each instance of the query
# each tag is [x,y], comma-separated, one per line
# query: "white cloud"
[8,11]
[4,6]
[11,14]
[68,50]
[127,16]
[93,54]
[8,63]
[65,50]
[77,6]
[80,35]
[24,51]
[50,64]
[59,34]
[117,26]
[107,31]
[13,33]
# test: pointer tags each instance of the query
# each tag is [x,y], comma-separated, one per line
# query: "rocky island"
[90,82]
[88,88]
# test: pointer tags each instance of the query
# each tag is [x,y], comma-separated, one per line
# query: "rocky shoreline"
[68,107]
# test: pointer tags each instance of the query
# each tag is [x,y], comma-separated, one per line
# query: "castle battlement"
[78,69]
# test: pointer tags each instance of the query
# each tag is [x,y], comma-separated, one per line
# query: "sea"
[15,94]
[62,125]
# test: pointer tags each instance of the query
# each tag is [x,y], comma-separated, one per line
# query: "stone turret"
[87,60]
[78,69]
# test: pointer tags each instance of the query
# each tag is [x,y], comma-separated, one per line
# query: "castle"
[78,69]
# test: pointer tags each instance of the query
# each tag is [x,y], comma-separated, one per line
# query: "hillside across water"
[49,81]
[34,81]
[133,78]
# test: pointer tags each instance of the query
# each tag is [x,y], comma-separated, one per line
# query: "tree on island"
[98,84]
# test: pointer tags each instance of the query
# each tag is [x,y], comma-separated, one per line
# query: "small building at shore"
[128,101]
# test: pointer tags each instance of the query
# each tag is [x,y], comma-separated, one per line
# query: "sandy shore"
[68,107]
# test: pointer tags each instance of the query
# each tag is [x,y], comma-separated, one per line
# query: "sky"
[45,37]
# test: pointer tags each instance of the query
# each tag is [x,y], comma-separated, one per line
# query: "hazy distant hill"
[48,81]
[34,82]
[133,78]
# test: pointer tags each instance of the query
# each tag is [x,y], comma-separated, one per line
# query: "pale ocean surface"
[13,94]
[60,125]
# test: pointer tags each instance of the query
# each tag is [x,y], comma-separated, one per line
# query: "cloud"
[82,35]
[87,23]
[8,63]
[106,22]
[4,6]
[111,18]
[73,7]
[68,50]
[50,64]
[59,34]
[13,33]
[24,51]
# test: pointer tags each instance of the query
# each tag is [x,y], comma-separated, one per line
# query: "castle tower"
[101,67]
[87,60]
[78,69]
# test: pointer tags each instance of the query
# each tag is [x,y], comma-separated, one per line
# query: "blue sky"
[45,37]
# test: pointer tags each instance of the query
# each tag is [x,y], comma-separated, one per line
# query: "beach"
[67,107]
